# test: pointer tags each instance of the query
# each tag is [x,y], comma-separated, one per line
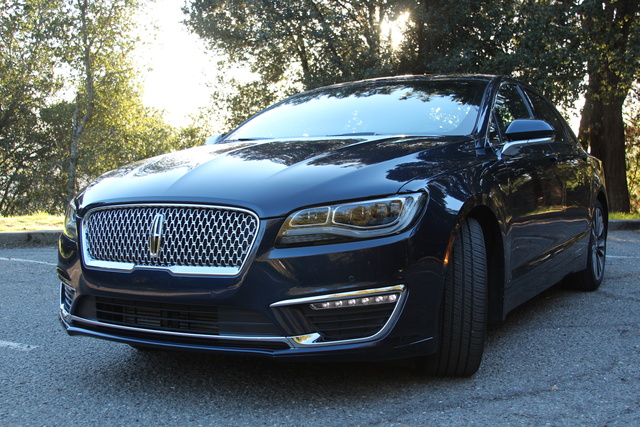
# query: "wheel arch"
[602,198]
[495,259]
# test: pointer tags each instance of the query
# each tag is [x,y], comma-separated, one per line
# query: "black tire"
[590,278]
[464,306]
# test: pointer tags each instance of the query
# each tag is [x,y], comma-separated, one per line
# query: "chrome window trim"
[126,267]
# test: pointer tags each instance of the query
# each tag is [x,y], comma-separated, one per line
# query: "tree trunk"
[84,101]
[74,153]
[602,129]
[610,38]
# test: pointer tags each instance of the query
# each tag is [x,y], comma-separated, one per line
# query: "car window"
[404,108]
[509,106]
[544,111]
[494,133]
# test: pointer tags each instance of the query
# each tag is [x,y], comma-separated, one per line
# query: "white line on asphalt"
[33,261]
[623,257]
[17,346]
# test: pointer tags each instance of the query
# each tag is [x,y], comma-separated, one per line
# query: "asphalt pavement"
[564,358]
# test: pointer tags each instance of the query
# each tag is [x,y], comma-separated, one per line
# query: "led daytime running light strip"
[356,302]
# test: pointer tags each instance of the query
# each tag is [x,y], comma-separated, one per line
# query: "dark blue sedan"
[382,219]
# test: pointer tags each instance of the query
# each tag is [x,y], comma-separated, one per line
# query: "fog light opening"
[67,295]
[356,302]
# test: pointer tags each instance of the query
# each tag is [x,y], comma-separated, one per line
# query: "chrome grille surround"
[195,240]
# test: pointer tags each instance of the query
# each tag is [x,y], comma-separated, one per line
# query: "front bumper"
[268,310]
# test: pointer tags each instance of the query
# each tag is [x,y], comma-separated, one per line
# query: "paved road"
[565,358]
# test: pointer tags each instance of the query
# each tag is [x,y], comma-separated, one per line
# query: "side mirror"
[527,131]
[214,139]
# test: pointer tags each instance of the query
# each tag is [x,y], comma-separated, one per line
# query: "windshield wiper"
[357,134]
[246,139]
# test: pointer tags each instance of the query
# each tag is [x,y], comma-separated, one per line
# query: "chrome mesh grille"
[194,239]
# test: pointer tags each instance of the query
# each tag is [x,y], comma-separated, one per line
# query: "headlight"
[351,221]
[70,228]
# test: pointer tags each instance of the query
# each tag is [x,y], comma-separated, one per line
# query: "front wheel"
[464,307]
[590,278]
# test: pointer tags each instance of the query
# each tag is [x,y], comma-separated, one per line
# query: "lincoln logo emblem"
[155,235]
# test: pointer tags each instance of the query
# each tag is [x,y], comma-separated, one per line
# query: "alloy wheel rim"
[599,244]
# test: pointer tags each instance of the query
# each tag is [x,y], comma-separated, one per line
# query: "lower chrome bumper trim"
[300,341]
[81,320]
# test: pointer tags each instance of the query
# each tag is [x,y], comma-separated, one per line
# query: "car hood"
[275,177]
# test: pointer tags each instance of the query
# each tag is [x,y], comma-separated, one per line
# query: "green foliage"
[633,150]
[623,215]
[293,45]
[36,221]
[319,42]
[459,36]
[29,30]
[610,39]
[122,130]
[97,53]
[48,49]
[547,49]
[304,44]
[235,101]
[567,48]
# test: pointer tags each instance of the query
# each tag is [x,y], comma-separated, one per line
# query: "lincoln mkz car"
[375,220]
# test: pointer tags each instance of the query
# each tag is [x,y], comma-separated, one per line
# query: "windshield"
[447,107]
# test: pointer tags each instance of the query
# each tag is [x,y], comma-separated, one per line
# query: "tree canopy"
[27,80]
[566,48]
[611,47]
[70,101]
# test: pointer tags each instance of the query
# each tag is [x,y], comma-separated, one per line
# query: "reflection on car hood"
[274,177]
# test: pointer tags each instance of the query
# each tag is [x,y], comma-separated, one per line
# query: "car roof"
[420,77]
